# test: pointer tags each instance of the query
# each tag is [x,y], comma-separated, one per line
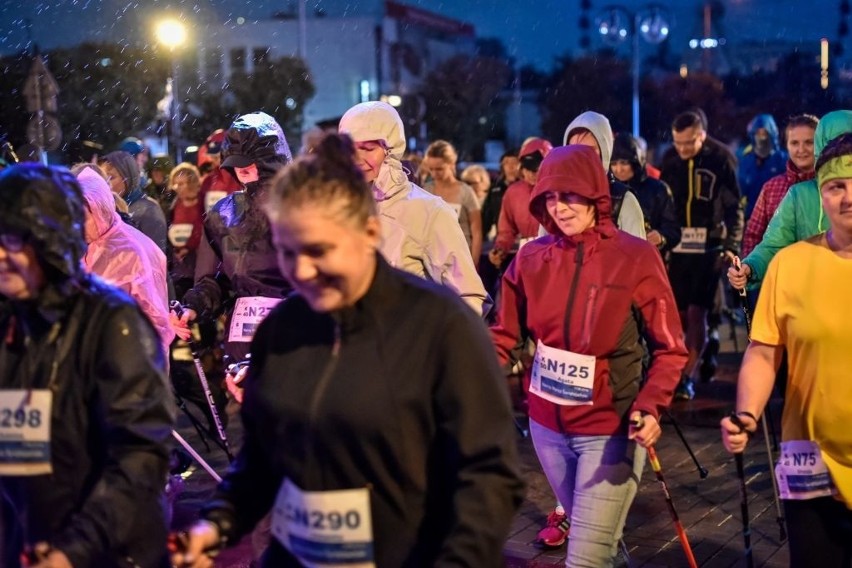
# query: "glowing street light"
[172,34]
[616,23]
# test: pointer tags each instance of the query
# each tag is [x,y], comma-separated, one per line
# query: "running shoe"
[555,533]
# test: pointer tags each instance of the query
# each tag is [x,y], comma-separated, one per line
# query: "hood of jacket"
[626,147]
[256,138]
[767,122]
[124,256]
[830,127]
[598,125]
[46,205]
[573,169]
[99,198]
[379,121]
[533,152]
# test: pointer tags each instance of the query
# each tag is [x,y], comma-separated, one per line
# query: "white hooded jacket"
[420,232]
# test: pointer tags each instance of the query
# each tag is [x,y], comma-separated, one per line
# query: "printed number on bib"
[325,529]
[25,432]
[562,377]
[693,240]
[248,313]
[179,234]
[801,472]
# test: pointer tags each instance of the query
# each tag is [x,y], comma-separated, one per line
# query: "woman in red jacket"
[585,294]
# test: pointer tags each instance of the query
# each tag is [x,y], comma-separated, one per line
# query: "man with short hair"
[701,173]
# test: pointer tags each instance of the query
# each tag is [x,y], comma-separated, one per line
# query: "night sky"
[534,31]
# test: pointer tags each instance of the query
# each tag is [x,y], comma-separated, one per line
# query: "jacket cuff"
[650,410]
[76,550]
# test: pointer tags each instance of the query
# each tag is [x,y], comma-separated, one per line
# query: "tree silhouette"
[464,102]
[279,87]
[107,91]
[598,82]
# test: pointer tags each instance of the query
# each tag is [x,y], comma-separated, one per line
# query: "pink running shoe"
[555,533]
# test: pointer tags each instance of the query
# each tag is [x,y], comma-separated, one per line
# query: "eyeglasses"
[686,143]
[12,242]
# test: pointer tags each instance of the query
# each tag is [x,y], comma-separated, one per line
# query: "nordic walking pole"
[738,458]
[779,518]
[178,308]
[197,457]
[702,471]
[744,295]
[779,513]
[658,471]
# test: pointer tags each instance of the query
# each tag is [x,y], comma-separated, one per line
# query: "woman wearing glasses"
[84,450]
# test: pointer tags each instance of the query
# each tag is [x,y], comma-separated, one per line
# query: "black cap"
[532,161]
[237,161]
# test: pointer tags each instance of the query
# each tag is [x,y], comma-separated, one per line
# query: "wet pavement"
[709,508]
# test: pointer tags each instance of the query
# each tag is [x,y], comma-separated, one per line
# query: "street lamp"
[651,22]
[172,34]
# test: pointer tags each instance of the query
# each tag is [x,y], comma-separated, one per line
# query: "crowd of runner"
[363,306]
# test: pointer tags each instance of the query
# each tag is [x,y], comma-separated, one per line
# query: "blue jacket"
[753,170]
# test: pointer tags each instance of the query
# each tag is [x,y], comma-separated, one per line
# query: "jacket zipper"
[572,295]
[319,392]
[691,179]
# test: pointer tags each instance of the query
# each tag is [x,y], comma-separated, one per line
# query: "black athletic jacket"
[411,404]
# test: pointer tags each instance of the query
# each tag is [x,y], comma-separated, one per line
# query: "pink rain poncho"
[124,256]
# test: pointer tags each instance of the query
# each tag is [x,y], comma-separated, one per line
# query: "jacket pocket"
[589,317]
[705,185]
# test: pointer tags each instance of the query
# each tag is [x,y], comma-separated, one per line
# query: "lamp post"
[172,34]
[651,22]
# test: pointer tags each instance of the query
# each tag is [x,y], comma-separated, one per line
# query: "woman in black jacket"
[85,409]
[374,406]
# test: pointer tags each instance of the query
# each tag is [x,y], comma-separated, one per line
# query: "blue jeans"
[596,479]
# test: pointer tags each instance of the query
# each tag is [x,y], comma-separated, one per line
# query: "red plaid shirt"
[771,194]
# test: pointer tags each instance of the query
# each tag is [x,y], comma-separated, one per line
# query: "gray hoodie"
[630,218]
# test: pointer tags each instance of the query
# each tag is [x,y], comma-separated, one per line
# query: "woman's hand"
[735,436]
[496,257]
[738,277]
[654,237]
[644,429]
[180,325]
[233,380]
[192,549]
